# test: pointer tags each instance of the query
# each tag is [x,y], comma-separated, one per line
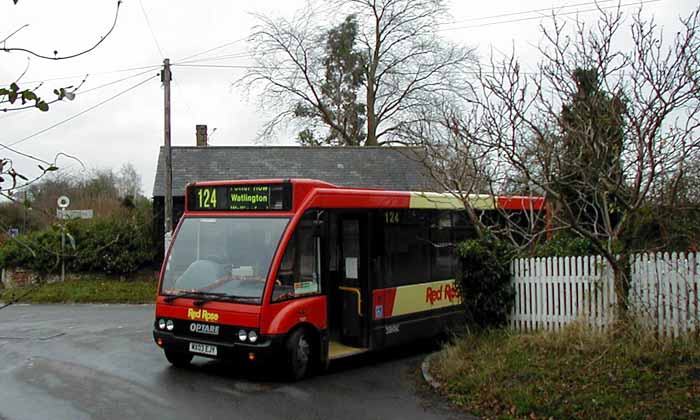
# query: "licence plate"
[203,349]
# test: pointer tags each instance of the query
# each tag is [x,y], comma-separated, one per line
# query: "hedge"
[113,245]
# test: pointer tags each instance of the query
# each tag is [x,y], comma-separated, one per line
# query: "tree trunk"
[621,275]
[371,116]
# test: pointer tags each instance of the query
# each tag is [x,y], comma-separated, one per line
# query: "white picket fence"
[552,292]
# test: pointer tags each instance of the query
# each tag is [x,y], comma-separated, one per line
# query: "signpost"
[74,214]
[63,202]
[63,214]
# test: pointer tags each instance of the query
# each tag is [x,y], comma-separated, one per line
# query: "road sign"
[63,202]
[75,214]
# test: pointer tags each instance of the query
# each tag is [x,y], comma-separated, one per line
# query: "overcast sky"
[129,128]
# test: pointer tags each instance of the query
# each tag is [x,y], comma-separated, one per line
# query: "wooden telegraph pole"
[166,76]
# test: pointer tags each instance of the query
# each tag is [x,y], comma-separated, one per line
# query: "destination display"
[258,197]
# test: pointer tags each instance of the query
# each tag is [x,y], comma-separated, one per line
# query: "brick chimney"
[202,135]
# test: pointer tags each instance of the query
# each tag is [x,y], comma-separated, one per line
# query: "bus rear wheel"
[178,359]
[300,353]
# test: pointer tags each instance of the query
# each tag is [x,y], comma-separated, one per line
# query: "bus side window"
[407,249]
[443,250]
[298,271]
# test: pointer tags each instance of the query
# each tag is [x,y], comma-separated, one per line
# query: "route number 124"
[391,217]
[207,198]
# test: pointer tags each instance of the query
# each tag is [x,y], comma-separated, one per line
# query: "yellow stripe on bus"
[432,200]
[425,296]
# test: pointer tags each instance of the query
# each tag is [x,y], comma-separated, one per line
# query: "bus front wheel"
[178,359]
[299,354]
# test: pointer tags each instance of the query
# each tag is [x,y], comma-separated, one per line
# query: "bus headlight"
[161,324]
[252,336]
[170,325]
[242,335]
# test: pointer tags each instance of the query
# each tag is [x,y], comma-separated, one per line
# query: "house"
[398,168]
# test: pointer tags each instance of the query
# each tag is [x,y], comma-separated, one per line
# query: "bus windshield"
[228,257]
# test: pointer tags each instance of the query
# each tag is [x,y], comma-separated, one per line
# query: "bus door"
[353,287]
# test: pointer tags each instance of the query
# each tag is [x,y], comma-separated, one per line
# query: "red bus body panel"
[226,312]
[349,198]
[279,318]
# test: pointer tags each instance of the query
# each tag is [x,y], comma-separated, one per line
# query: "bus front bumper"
[265,348]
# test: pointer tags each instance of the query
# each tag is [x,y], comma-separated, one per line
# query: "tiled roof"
[361,167]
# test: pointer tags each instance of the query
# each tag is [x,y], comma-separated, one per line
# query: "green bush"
[485,284]
[564,245]
[112,245]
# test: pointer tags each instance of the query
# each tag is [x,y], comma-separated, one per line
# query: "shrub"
[564,245]
[37,251]
[484,283]
[110,245]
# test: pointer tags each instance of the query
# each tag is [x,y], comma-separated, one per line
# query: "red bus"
[304,272]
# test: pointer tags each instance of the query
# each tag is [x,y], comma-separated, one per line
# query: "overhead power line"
[481,25]
[162,54]
[214,49]
[222,66]
[220,57]
[241,54]
[28,156]
[114,82]
[74,76]
[150,28]
[85,111]
[79,92]
[527,12]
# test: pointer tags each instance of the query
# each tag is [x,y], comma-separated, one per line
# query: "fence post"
[658,293]
[596,276]
[662,263]
[567,283]
[645,290]
[563,284]
[673,284]
[530,294]
[542,293]
[552,295]
[586,262]
[602,288]
[693,296]
[635,293]
[682,277]
[514,284]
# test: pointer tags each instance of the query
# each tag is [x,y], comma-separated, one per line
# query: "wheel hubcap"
[303,350]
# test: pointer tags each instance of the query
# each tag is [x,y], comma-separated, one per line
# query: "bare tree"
[128,182]
[15,98]
[464,169]
[596,129]
[405,65]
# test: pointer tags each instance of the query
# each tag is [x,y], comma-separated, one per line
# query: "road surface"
[100,362]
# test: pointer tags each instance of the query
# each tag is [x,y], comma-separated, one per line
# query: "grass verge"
[99,289]
[577,373]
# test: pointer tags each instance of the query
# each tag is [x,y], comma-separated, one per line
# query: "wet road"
[99,362]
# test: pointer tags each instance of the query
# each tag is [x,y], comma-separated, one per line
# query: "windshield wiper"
[207,297]
[191,295]
[221,296]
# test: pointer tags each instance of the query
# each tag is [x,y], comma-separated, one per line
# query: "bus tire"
[300,353]
[178,359]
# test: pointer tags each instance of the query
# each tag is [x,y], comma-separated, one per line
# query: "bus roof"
[329,195]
